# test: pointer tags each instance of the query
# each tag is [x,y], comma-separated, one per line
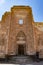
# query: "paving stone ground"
[22,60]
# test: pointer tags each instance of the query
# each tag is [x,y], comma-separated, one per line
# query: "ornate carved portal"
[21,43]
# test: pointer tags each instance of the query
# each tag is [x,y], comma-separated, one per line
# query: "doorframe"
[24,48]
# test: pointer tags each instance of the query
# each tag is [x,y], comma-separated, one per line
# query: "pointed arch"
[21,43]
[21,33]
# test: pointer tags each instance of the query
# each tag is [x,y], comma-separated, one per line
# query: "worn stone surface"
[29,34]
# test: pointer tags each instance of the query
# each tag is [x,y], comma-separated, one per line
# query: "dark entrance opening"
[20,49]
[21,43]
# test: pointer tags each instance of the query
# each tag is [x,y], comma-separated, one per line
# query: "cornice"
[27,8]
[4,16]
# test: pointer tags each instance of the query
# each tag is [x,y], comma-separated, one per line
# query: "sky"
[37,7]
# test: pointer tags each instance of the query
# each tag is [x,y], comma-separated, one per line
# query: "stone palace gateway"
[19,34]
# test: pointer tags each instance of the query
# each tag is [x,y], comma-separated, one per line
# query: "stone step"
[20,59]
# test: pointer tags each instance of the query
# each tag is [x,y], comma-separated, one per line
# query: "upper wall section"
[21,11]
[6,20]
[6,17]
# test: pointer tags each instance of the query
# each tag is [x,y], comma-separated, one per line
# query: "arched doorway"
[21,43]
